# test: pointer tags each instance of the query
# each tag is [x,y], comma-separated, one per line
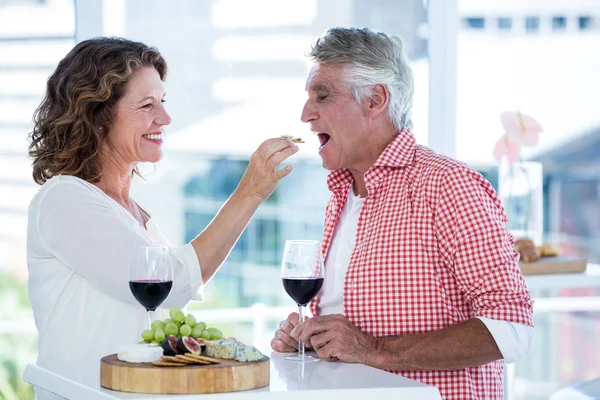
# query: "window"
[505,23]
[585,22]
[532,24]
[498,73]
[474,23]
[559,23]
[34,36]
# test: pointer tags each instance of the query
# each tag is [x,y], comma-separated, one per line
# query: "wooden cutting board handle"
[229,376]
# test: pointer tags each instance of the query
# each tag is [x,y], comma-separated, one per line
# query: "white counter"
[590,278]
[289,380]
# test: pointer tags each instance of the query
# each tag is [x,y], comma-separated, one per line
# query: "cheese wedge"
[139,353]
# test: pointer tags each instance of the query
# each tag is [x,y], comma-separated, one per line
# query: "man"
[421,275]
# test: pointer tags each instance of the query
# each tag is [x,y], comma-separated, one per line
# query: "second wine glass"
[302,272]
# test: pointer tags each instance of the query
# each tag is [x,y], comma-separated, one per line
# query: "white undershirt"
[514,340]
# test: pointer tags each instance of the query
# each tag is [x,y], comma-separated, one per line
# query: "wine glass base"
[303,358]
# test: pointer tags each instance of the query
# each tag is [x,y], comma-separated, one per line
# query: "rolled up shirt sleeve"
[94,241]
[478,249]
[515,341]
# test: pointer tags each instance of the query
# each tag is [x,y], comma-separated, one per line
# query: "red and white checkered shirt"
[432,250]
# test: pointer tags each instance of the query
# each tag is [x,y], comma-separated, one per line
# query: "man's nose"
[308,114]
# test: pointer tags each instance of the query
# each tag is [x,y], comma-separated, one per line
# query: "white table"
[289,380]
[589,390]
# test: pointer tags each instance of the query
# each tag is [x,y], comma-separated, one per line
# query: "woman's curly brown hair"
[75,117]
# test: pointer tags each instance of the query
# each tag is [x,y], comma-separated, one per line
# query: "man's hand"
[283,342]
[333,337]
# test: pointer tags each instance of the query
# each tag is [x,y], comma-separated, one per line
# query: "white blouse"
[514,340]
[79,246]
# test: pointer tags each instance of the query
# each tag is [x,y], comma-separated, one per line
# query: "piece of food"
[197,331]
[224,349]
[159,335]
[167,364]
[167,349]
[176,360]
[158,324]
[204,358]
[191,359]
[527,249]
[185,330]
[205,334]
[190,320]
[176,315]
[245,353]
[549,250]
[139,353]
[293,138]
[171,329]
[215,334]
[172,339]
[148,335]
[187,345]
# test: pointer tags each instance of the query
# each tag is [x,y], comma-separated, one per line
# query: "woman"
[103,113]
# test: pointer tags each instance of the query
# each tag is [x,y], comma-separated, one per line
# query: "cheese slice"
[222,348]
[139,353]
[247,353]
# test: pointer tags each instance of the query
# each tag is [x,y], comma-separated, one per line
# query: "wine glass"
[151,276]
[302,272]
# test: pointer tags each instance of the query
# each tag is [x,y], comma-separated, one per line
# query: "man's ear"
[378,101]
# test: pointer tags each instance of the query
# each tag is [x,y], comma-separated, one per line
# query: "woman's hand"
[260,178]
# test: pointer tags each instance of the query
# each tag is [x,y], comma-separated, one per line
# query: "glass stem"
[301,319]
[150,318]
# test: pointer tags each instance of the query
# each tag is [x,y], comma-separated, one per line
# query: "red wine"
[150,293]
[302,290]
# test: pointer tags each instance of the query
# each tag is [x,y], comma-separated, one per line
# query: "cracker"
[175,359]
[167,364]
[204,358]
[293,138]
[192,360]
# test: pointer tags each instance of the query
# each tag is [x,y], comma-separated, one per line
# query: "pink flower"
[504,147]
[520,130]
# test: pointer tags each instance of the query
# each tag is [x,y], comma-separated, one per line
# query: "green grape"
[202,325]
[197,331]
[148,335]
[172,329]
[167,321]
[178,316]
[205,335]
[185,330]
[159,335]
[190,320]
[173,311]
[142,342]
[156,325]
[215,333]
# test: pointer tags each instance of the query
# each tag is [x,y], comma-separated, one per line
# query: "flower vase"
[521,192]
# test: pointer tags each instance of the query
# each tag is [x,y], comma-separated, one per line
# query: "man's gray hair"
[370,58]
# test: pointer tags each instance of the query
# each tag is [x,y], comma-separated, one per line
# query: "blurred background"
[236,77]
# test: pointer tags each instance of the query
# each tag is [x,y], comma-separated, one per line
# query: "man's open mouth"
[323,138]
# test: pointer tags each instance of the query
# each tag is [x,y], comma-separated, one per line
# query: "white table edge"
[70,389]
[60,385]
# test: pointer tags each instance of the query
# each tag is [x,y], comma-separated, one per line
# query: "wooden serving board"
[228,376]
[554,265]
